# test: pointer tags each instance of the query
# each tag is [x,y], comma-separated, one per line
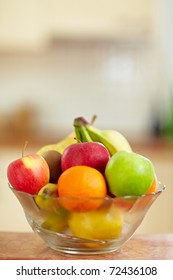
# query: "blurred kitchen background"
[60,59]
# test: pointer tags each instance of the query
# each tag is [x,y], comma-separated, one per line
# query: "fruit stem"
[80,130]
[24,148]
[79,121]
[94,117]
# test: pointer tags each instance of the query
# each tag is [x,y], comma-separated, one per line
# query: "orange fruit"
[78,184]
[153,186]
[146,200]
[125,203]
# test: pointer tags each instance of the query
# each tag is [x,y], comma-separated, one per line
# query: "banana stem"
[85,135]
[81,131]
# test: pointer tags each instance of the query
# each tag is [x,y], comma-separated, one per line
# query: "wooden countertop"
[29,246]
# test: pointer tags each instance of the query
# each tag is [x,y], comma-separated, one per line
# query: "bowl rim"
[161,188]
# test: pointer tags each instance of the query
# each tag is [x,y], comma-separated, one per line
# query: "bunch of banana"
[113,140]
[59,146]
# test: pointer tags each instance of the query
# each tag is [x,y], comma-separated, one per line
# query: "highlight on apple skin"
[28,173]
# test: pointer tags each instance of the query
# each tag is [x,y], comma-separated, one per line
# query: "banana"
[113,140]
[117,140]
[60,146]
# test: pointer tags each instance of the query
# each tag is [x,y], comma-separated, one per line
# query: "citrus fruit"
[125,203]
[82,187]
[153,186]
[105,223]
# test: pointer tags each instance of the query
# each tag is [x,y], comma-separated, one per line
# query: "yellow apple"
[46,198]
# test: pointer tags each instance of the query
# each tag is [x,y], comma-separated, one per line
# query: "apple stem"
[24,148]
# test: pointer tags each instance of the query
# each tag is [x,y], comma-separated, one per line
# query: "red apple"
[91,154]
[29,173]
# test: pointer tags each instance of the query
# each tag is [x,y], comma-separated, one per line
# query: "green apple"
[105,223]
[129,173]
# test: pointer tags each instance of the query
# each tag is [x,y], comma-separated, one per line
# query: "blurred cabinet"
[27,24]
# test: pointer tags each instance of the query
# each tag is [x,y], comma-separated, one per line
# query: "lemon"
[105,223]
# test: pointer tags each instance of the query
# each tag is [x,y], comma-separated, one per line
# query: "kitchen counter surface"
[29,246]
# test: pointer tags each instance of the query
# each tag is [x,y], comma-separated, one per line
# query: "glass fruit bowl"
[104,229]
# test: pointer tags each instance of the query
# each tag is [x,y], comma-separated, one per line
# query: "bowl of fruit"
[88,193]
